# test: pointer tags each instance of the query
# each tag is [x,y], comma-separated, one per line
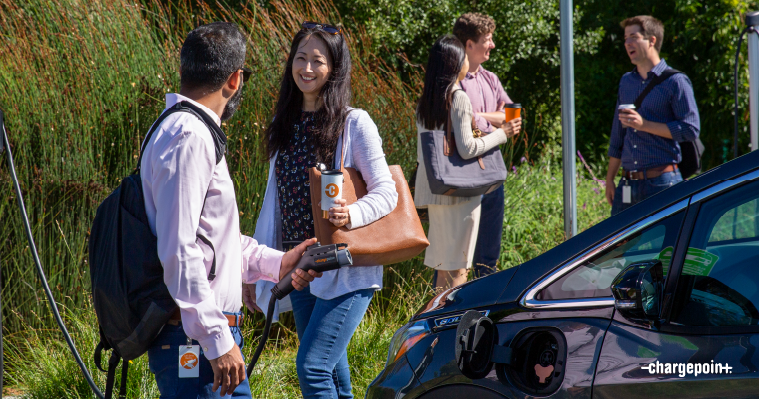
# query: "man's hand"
[631,118]
[249,297]
[228,371]
[614,164]
[610,191]
[290,259]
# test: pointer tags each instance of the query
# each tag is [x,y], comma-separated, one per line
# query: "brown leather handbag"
[394,238]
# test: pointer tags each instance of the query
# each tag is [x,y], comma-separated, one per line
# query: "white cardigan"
[363,152]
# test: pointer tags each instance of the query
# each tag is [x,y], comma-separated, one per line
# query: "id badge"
[189,361]
[626,194]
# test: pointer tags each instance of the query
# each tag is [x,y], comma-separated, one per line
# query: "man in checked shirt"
[644,141]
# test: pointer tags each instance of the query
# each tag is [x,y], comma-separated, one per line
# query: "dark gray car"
[658,301]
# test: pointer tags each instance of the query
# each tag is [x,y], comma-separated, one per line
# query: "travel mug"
[332,189]
[512,111]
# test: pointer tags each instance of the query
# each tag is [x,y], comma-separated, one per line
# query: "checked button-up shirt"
[671,103]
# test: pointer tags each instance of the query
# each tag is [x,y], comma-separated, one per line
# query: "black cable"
[41,272]
[735,77]
[264,337]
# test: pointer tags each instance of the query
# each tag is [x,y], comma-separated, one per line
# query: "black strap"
[220,146]
[98,356]
[124,373]
[653,83]
[212,273]
[109,381]
[219,138]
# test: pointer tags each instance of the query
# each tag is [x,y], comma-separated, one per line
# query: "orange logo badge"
[332,190]
[189,361]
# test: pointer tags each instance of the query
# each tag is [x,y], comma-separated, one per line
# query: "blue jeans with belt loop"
[163,358]
[642,189]
[488,248]
[325,328]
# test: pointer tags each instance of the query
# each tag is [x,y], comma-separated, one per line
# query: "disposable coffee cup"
[512,111]
[332,190]
[626,106]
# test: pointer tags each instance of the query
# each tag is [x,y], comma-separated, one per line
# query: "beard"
[232,105]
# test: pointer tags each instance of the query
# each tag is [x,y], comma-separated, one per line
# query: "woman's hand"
[512,127]
[339,215]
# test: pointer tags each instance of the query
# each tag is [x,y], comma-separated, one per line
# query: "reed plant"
[81,82]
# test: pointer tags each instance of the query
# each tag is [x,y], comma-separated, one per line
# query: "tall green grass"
[40,363]
[81,82]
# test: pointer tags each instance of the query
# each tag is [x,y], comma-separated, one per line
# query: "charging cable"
[40,271]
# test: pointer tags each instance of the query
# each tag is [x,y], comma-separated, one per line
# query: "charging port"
[539,359]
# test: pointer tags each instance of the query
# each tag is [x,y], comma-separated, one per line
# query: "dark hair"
[472,26]
[211,53]
[329,119]
[649,26]
[446,60]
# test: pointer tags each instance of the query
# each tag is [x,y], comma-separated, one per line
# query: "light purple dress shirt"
[485,91]
[177,169]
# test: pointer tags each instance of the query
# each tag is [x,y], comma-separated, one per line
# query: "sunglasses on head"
[325,27]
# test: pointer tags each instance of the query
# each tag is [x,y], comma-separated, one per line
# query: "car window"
[593,278]
[719,283]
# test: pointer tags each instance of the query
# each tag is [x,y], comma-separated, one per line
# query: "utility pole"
[752,19]
[568,118]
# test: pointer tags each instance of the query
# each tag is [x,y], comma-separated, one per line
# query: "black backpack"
[691,151]
[131,300]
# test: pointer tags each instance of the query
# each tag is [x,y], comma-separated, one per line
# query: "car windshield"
[593,278]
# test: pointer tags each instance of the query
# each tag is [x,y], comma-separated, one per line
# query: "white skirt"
[452,235]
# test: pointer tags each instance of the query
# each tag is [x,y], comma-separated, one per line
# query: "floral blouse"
[291,169]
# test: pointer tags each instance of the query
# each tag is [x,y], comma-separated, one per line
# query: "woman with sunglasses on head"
[312,120]
[454,221]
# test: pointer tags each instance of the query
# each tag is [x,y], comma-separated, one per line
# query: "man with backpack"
[208,265]
[656,112]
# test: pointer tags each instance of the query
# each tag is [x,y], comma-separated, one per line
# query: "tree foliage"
[700,40]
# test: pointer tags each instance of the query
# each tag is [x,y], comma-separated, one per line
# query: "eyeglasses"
[246,72]
[325,27]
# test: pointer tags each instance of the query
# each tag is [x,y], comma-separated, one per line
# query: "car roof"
[532,270]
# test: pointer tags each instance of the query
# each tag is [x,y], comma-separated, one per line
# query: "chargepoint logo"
[332,190]
[683,369]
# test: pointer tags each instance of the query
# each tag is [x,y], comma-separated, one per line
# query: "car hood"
[476,293]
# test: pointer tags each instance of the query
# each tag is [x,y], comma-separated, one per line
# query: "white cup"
[332,190]
[626,106]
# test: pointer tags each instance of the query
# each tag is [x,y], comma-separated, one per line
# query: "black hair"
[446,59]
[329,119]
[211,53]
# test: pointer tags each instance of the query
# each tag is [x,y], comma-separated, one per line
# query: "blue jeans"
[325,328]
[642,189]
[488,248]
[164,364]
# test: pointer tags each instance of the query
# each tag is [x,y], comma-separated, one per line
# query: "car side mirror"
[638,290]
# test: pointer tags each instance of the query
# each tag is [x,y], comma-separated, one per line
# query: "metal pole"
[568,119]
[752,19]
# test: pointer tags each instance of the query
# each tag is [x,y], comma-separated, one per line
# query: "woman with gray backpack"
[457,163]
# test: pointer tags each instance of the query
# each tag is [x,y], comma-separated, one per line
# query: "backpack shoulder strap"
[653,83]
[219,138]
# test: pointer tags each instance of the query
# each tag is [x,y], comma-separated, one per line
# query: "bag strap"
[653,83]
[344,136]
[124,373]
[111,377]
[220,147]
[449,143]
[219,138]
[98,357]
